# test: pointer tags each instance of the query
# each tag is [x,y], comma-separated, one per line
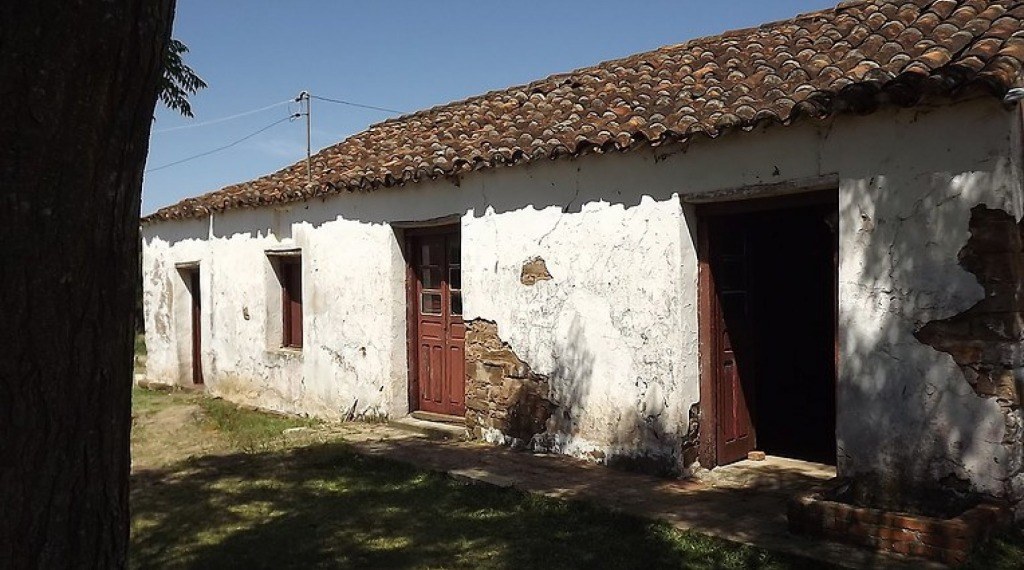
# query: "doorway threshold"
[439,418]
[773,474]
[432,429]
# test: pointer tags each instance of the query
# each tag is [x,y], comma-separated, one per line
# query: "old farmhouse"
[802,238]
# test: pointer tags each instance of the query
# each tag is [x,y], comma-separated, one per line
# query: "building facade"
[844,288]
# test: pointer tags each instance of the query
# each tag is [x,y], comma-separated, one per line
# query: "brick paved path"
[744,503]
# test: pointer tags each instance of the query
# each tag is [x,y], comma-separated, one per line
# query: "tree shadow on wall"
[907,416]
[632,437]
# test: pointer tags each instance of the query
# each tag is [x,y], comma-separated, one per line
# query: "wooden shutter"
[291,310]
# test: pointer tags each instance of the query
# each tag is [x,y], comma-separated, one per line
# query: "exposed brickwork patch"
[508,403]
[502,394]
[534,270]
[985,340]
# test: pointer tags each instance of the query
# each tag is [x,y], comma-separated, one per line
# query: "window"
[430,277]
[289,272]
[455,276]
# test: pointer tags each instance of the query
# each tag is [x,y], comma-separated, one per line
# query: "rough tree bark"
[78,86]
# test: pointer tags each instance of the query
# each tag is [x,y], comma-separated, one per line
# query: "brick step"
[429,429]
[439,418]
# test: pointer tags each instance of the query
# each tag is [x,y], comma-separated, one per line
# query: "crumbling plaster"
[615,330]
[905,410]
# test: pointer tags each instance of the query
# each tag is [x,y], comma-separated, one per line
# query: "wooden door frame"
[409,234]
[191,276]
[707,451]
[196,309]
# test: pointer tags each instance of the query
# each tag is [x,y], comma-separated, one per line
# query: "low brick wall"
[944,540]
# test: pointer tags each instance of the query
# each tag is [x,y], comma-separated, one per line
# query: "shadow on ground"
[326,506]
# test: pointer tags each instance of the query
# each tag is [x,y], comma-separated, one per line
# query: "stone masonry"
[505,401]
[534,270]
[986,340]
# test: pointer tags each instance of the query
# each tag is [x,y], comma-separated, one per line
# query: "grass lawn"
[247,496]
[215,486]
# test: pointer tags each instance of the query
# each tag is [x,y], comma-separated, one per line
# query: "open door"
[731,328]
[768,306]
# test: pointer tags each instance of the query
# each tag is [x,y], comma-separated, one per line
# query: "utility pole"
[305,98]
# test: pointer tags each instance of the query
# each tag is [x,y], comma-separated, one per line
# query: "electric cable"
[223,119]
[227,146]
[360,105]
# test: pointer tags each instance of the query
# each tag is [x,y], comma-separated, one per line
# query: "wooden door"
[197,331]
[439,333]
[733,353]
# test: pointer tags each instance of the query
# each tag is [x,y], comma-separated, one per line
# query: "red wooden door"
[440,333]
[733,353]
[197,331]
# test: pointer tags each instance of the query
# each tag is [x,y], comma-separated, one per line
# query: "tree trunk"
[78,85]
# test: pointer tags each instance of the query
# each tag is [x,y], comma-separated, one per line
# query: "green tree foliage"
[178,80]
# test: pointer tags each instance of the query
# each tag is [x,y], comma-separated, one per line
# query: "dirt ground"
[170,426]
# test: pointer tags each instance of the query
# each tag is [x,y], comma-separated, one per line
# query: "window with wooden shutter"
[290,273]
[291,287]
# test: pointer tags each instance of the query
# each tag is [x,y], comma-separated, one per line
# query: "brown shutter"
[294,286]
[284,272]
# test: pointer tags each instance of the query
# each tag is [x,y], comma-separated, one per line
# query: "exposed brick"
[895,534]
[985,340]
[894,520]
[943,540]
[923,550]
[535,269]
[862,530]
[897,547]
[866,516]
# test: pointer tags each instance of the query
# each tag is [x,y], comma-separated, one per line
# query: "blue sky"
[404,55]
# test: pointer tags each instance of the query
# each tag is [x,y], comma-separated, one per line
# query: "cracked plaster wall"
[351,364]
[614,331]
[986,340]
[904,409]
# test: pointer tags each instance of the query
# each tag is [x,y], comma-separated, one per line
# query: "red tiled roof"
[852,57]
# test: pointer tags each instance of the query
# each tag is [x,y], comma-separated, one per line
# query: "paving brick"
[733,508]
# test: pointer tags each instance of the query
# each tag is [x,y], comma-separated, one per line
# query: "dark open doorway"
[768,317]
[190,274]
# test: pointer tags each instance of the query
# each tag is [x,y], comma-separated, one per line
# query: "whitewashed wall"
[616,327]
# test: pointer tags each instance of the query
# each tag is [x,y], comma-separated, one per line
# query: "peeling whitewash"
[615,328]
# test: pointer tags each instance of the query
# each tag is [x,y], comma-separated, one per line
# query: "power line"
[227,146]
[302,96]
[223,119]
[360,105]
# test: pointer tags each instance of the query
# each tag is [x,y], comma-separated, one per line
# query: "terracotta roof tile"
[852,57]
